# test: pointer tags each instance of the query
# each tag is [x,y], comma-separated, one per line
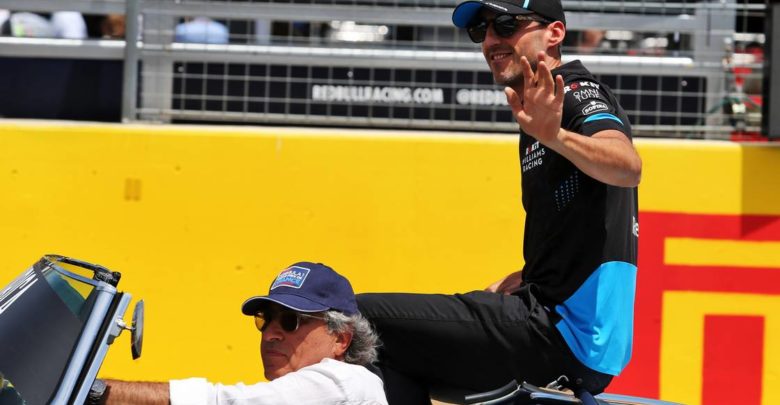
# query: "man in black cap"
[570,310]
[314,347]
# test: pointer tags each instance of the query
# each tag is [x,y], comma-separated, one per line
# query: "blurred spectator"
[27,25]
[202,30]
[590,41]
[585,42]
[62,24]
[68,24]
[262,31]
[743,105]
[4,14]
[746,76]
[113,26]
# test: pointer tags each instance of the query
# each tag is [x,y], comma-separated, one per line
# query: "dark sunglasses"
[504,25]
[290,321]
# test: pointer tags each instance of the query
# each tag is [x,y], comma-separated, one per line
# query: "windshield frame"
[83,348]
[57,325]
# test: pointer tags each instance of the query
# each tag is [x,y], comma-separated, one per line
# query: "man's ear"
[557,31]
[340,346]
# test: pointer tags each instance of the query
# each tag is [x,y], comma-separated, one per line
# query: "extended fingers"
[544,77]
[511,96]
[517,105]
[544,74]
[528,73]
[559,89]
[514,100]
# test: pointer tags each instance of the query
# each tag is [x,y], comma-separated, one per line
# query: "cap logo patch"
[525,5]
[292,277]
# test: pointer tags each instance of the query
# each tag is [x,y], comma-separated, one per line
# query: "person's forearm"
[137,393]
[607,156]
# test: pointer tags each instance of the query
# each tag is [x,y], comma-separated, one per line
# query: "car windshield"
[42,313]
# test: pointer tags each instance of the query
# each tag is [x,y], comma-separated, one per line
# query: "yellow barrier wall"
[197,219]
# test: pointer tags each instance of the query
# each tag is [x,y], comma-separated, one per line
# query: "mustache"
[499,48]
[271,346]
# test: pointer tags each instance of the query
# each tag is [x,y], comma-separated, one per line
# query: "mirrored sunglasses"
[290,321]
[504,25]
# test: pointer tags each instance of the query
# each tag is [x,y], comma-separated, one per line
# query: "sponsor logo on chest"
[594,107]
[580,85]
[585,94]
[583,90]
[533,156]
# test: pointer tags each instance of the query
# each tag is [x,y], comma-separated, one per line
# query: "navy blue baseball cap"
[465,12]
[307,287]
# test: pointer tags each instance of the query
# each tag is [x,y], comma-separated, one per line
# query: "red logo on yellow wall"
[707,327]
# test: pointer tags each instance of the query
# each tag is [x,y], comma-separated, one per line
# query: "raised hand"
[540,109]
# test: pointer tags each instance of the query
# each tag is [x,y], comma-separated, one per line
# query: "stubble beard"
[512,76]
[510,79]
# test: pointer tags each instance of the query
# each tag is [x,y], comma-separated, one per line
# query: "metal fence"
[679,68]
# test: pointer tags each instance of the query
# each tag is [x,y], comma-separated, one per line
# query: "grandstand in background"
[684,68]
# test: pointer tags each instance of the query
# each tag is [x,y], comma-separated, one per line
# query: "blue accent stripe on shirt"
[525,5]
[597,321]
[603,116]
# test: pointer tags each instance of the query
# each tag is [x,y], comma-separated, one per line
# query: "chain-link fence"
[680,68]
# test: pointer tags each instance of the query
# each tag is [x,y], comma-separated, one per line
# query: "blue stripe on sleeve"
[603,116]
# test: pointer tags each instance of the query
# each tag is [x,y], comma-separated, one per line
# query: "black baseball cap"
[550,9]
[307,287]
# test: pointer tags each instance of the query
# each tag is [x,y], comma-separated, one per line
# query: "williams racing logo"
[533,156]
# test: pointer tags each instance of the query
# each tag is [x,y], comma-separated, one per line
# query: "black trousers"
[475,342]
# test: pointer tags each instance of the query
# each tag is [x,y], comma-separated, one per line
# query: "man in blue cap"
[314,346]
[570,310]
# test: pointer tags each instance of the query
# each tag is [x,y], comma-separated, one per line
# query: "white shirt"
[69,24]
[327,382]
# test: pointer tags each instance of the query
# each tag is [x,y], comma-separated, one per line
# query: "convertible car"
[59,317]
[57,320]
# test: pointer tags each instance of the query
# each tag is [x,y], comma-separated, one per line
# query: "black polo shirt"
[581,235]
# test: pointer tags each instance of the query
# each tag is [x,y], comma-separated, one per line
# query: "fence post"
[156,88]
[710,49]
[130,74]
[770,108]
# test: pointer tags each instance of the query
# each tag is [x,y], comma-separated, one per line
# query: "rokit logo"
[594,107]
[577,85]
